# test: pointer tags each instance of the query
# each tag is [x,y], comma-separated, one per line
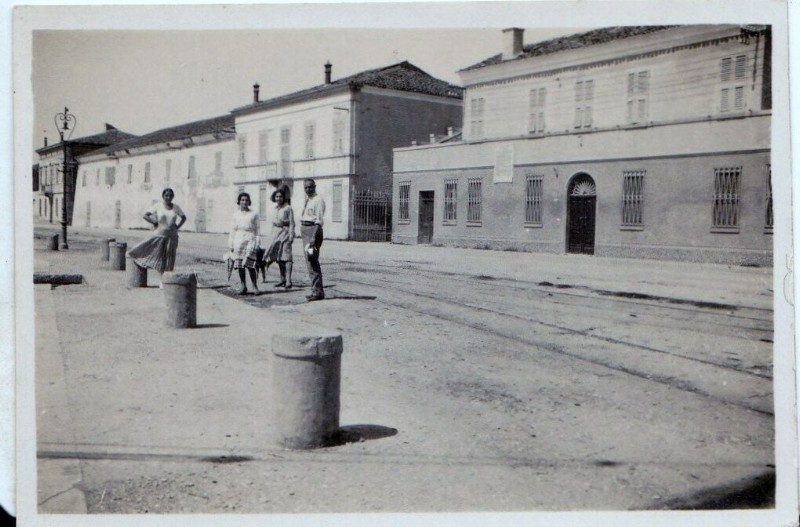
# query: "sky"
[141,81]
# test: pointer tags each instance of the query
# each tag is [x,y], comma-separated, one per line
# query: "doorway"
[425,231]
[581,204]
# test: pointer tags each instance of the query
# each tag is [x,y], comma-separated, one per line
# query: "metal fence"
[371,212]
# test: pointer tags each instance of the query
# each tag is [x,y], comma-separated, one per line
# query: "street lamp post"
[63,120]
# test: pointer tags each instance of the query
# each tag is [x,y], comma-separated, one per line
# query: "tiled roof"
[578,40]
[403,76]
[109,137]
[175,133]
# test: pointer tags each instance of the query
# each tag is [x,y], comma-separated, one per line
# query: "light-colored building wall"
[115,192]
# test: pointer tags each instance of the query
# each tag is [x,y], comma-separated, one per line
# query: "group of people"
[244,242]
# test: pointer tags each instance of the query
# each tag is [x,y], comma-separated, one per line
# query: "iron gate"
[371,212]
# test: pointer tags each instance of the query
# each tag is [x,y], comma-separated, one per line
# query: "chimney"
[328,72]
[512,42]
[255,92]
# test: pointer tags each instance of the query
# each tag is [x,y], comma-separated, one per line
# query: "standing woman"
[280,250]
[244,240]
[158,251]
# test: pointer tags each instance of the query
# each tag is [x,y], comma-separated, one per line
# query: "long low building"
[648,142]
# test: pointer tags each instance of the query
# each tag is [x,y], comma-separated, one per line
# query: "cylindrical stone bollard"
[52,242]
[137,275]
[106,244]
[180,293]
[118,256]
[305,389]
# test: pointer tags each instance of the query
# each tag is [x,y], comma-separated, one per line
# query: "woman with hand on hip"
[280,250]
[158,252]
[244,241]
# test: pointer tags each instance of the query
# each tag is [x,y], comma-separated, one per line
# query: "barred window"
[474,200]
[768,218]
[633,198]
[726,199]
[336,211]
[533,199]
[450,201]
[405,193]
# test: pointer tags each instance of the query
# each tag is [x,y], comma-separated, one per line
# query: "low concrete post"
[137,275]
[118,256]
[305,389]
[106,244]
[180,293]
[52,242]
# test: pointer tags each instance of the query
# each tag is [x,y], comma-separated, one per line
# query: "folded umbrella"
[229,260]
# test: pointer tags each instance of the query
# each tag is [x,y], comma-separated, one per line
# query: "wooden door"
[425,228]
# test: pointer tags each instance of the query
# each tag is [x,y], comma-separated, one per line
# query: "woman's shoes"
[243,290]
[289,285]
[281,283]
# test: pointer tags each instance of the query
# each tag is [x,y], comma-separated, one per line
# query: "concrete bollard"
[106,244]
[180,293]
[52,242]
[305,389]
[118,256]
[137,275]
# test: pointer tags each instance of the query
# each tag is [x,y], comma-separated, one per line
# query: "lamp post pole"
[63,121]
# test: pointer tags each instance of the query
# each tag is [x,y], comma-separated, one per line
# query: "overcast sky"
[141,81]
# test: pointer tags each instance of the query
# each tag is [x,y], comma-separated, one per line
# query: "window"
[286,163]
[474,200]
[83,179]
[768,217]
[476,117]
[733,75]
[450,202]
[110,176]
[309,135]
[405,193]
[638,90]
[192,168]
[263,142]
[147,172]
[241,145]
[218,164]
[632,198]
[97,178]
[336,211]
[584,94]
[726,199]
[130,174]
[338,135]
[536,104]
[167,170]
[262,201]
[533,199]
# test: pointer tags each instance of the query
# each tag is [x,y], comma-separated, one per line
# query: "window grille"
[336,211]
[241,143]
[309,129]
[533,199]
[726,198]
[474,200]
[768,217]
[450,202]
[633,198]
[538,97]
[405,193]
[584,94]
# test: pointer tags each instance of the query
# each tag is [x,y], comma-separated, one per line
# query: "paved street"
[471,381]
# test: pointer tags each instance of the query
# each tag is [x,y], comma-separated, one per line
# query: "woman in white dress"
[158,251]
[280,250]
[244,240]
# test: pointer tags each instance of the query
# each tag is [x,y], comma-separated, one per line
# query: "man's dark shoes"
[312,298]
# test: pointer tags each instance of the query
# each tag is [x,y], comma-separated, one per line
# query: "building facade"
[116,184]
[647,142]
[341,133]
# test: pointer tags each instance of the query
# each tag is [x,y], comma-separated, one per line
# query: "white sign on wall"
[503,164]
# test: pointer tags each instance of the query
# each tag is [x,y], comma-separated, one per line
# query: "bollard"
[306,384]
[137,275]
[52,242]
[180,293]
[106,247]
[118,256]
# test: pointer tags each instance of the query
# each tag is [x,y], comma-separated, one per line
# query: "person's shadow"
[357,434]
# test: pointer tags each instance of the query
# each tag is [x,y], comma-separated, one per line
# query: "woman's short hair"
[164,192]
[239,197]
[273,198]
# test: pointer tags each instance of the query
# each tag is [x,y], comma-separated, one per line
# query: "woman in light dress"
[158,251]
[244,240]
[280,250]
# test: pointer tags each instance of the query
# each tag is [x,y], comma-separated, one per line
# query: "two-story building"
[647,142]
[116,184]
[341,133]
[48,188]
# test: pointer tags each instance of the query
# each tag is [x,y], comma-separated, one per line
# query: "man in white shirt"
[311,221]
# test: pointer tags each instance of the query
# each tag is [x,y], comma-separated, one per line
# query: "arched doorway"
[581,200]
